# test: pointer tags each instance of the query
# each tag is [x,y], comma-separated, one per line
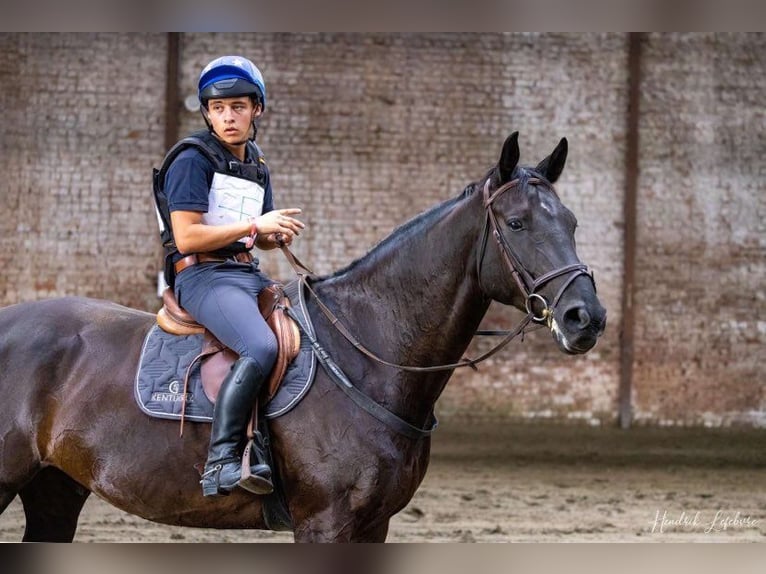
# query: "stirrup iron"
[258,482]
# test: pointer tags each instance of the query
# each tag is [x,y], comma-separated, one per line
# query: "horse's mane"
[416,224]
[406,230]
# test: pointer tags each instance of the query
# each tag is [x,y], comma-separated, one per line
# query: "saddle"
[217,359]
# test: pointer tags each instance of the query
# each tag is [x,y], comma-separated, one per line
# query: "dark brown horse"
[69,424]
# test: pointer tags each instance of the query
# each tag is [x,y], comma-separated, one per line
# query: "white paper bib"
[233,199]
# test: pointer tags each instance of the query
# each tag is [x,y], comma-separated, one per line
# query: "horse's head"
[527,254]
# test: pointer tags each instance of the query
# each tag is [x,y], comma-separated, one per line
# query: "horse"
[70,425]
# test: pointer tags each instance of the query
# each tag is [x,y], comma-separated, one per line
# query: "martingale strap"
[337,375]
[381,413]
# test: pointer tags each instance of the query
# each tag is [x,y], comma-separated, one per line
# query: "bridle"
[527,285]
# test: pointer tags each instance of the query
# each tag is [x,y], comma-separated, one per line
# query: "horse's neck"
[415,300]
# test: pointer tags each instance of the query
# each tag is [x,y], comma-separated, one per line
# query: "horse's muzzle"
[578,325]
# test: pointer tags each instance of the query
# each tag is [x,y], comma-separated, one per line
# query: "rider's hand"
[282,240]
[273,240]
[280,221]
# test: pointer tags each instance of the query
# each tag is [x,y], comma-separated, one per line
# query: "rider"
[216,218]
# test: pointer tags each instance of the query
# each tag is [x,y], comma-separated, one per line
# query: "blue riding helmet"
[229,77]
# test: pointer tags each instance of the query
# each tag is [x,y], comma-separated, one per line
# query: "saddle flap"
[272,302]
[215,366]
[269,298]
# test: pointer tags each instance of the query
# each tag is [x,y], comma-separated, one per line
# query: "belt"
[195,258]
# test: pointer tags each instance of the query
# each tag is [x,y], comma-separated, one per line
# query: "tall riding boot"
[233,406]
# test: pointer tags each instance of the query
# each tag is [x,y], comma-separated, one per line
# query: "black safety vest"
[212,149]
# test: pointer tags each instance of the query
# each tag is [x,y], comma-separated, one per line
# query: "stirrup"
[256,478]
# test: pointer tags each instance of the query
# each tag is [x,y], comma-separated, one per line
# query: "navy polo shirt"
[188,181]
[190,176]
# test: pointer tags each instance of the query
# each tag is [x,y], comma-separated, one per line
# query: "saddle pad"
[159,382]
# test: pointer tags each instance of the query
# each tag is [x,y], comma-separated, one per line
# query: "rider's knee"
[264,352]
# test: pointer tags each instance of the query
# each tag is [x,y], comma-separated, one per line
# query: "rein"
[525,282]
[301,270]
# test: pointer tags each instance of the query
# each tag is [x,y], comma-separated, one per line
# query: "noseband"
[527,284]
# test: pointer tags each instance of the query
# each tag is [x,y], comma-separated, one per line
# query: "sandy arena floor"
[506,482]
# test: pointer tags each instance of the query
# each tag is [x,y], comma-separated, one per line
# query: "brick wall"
[365,131]
[83,124]
[701,328]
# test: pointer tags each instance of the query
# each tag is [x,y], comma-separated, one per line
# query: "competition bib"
[233,199]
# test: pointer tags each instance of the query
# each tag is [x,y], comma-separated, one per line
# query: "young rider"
[216,217]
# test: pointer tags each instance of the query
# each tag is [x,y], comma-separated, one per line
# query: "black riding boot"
[233,406]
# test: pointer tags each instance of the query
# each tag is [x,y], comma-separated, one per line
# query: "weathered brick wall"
[701,327]
[365,131]
[83,124]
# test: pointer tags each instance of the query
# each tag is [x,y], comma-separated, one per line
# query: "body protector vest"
[236,192]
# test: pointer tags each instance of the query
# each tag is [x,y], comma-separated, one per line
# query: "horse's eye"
[515,225]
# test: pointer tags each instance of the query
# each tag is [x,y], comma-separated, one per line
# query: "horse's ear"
[552,166]
[508,158]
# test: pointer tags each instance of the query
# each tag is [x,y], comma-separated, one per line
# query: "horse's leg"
[375,534]
[18,463]
[52,505]
[333,526]
[6,497]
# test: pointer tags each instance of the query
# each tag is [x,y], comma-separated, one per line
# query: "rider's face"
[231,118]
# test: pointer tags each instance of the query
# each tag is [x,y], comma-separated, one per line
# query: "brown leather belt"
[195,258]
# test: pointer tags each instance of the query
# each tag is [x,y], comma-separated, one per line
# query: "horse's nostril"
[577,317]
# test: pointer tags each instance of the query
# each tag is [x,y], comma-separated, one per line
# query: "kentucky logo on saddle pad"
[165,360]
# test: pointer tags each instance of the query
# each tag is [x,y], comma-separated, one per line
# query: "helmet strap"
[255,120]
[208,123]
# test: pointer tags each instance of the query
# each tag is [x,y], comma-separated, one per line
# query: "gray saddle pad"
[165,358]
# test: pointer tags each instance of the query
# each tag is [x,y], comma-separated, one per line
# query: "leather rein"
[527,285]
